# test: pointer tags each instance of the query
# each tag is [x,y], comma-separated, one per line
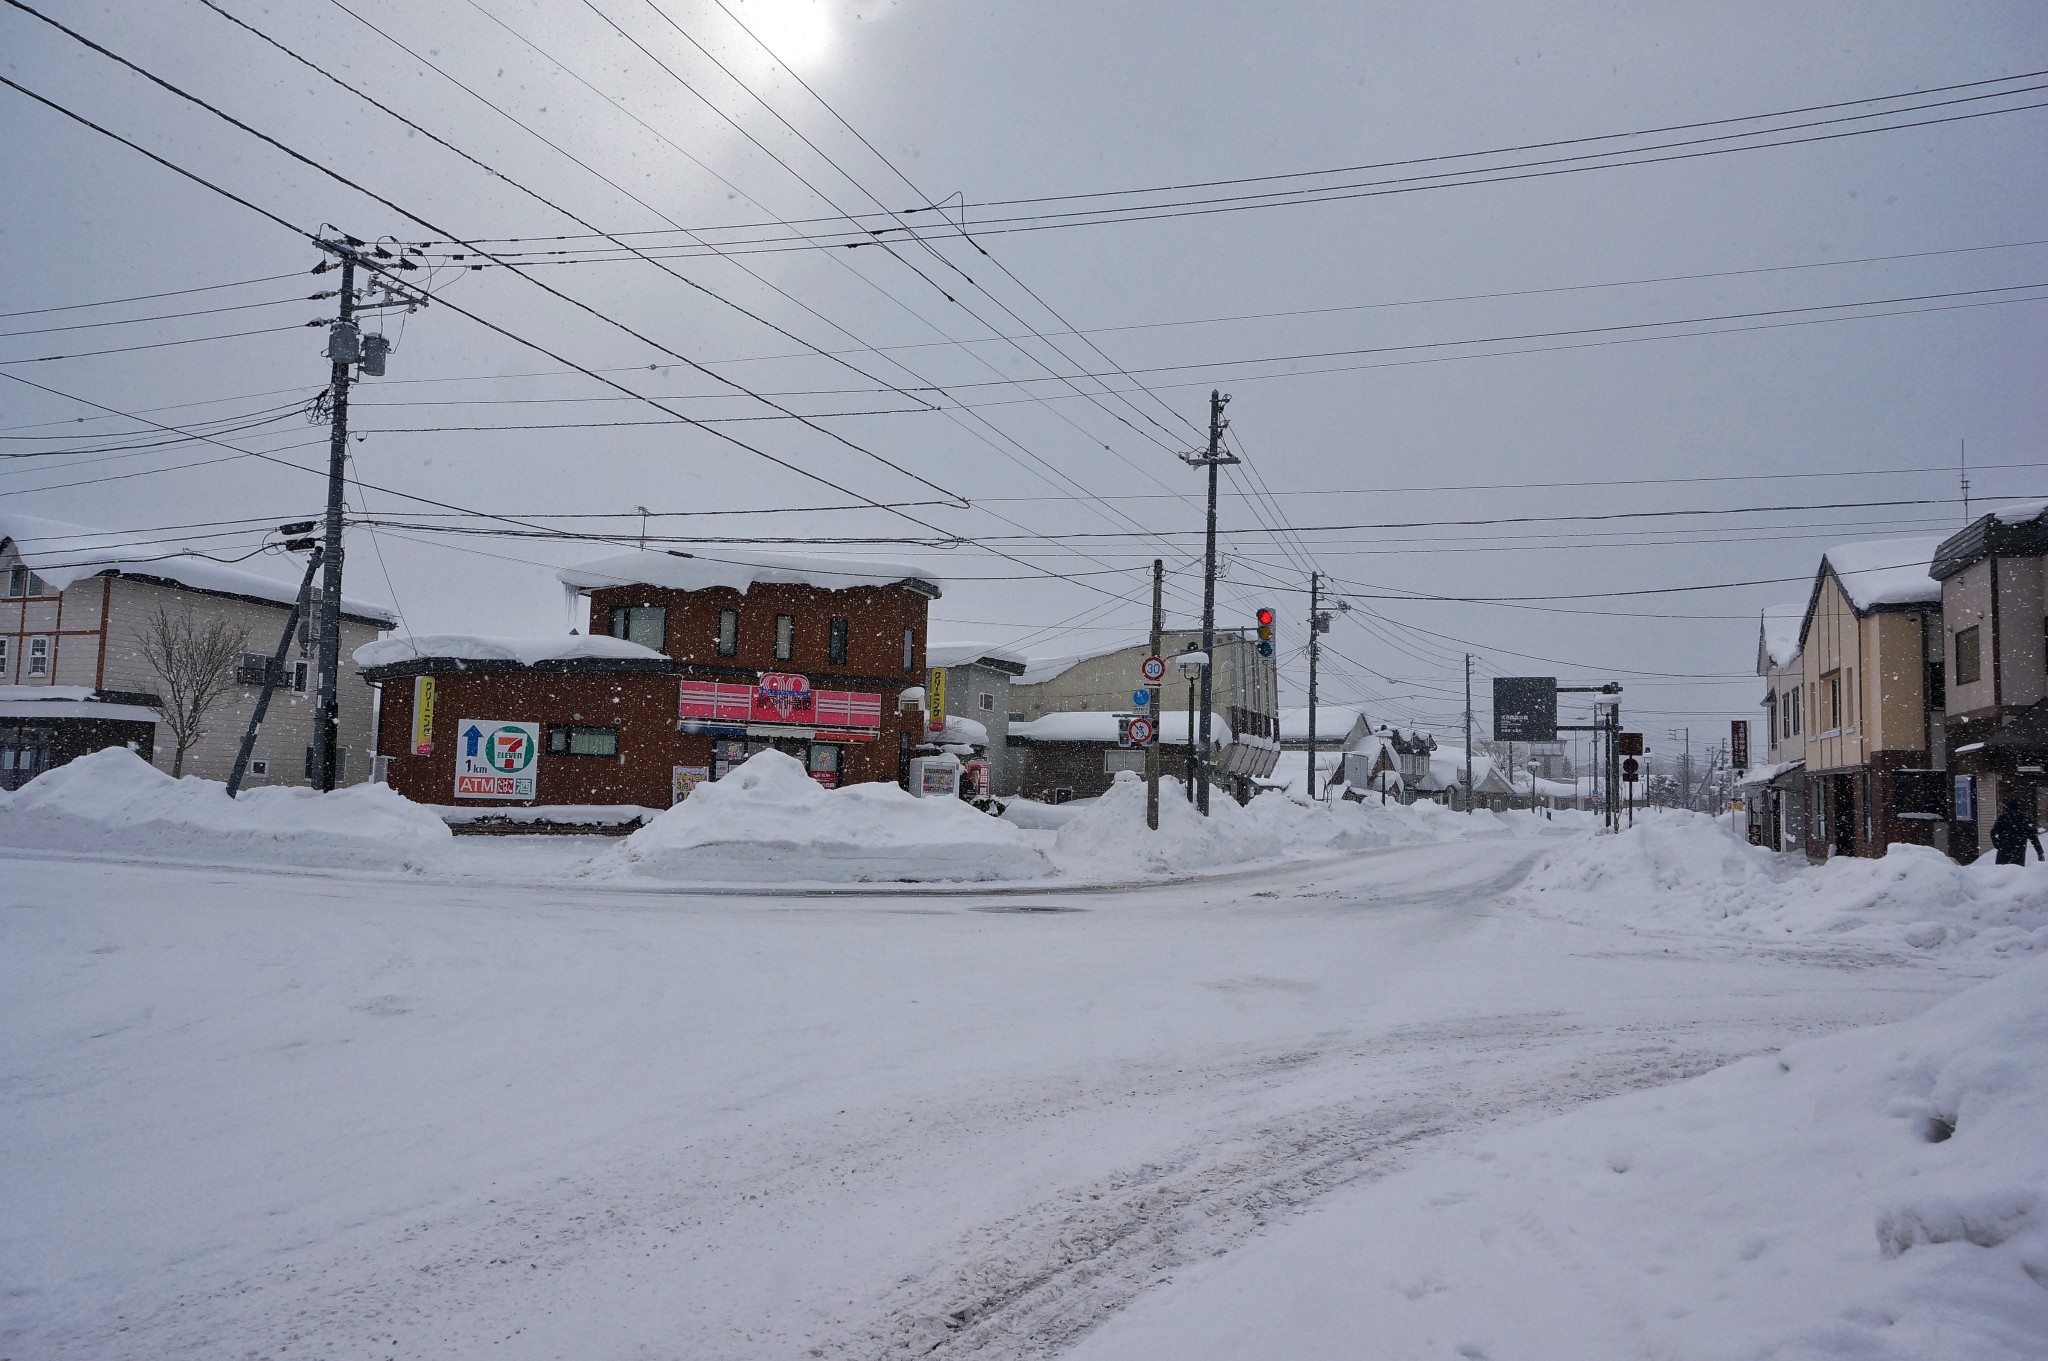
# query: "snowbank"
[112,802]
[1109,838]
[1685,870]
[770,821]
[1880,1194]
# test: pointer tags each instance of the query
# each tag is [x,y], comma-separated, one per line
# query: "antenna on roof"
[1963,448]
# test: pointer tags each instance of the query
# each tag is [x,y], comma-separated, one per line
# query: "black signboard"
[1525,708]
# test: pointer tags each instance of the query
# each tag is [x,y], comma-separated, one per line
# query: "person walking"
[2011,834]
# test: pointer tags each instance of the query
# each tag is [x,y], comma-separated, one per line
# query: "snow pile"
[1681,869]
[1880,1194]
[770,821]
[1110,837]
[113,802]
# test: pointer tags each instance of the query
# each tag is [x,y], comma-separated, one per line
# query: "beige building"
[1245,695]
[1994,601]
[73,615]
[1871,722]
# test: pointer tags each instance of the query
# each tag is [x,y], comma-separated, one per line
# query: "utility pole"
[1468,733]
[346,347]
[1215,458]
[1154,711]
[1315,624]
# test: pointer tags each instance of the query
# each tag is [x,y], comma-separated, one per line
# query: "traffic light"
[297,535]
[1265,618]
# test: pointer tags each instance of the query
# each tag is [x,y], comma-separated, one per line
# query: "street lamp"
[1193,663]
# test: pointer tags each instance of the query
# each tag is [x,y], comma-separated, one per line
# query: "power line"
[146,297]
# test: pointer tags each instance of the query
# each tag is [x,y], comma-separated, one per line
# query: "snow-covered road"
[270,1114]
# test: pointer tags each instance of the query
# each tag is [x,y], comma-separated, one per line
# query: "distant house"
[1338,726]
[1389,762]
[1773,791]
[1445,782]
[1993,576]
[75,607]
[1075,755]
[977,681]
[1870,649]
[1244,690]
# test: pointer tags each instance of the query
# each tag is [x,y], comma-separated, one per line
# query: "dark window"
[17,581]
[576,739]
[1937,688]
[1798,725]
[836,648]
[646,625]
[785,637]
[1771,703]
[909,650]
[1831,702]
[1920,794]
[728,633]
[1969,664]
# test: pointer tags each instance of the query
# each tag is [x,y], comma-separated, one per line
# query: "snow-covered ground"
[501,1103]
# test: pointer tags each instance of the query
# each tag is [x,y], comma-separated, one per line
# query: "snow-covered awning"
[69,703]
[1763,775]
[742,569]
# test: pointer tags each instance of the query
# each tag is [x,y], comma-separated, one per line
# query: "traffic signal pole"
[1155,710]
[1215,458]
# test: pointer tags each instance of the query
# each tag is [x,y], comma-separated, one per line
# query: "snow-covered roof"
[470,647]
[1333,722]
[1038,670]
[1883,572]
[63,554]
[1762,775]
[1447,771]
[966,654]
[2020,512]
[741,569]
[1079,726]
[1780,641]
[963,732]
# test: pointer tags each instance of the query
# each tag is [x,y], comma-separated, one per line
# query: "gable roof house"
[1773,789]
[75,607]
[1870,655]
[1994,600]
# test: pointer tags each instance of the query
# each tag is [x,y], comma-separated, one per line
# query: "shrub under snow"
[770,821]
[113,802]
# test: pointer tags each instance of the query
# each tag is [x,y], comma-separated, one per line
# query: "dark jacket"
[2011,834]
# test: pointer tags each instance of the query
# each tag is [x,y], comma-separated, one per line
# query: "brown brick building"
[692,665]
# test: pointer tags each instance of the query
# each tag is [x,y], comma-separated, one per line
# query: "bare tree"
[195,663]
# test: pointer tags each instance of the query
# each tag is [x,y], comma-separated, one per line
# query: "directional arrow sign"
[472,738]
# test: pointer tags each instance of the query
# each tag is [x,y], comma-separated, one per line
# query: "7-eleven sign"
[496,759]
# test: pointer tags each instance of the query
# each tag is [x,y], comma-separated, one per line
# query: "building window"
[1797,727]
[39,656]
[988,703]
[1849,698]
[4,659]
[1771,702]
[785,637]
[728,633]
[1831,702]
[576,739]
[835,651]
[646,625]
[1969,664]
[909,650]
[17,581]
[1937,689]
[259,767]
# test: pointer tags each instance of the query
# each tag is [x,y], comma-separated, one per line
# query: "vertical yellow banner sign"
[423,715]
[935,699]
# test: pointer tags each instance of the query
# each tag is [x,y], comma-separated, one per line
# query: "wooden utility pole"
[1315,626]
[1153,710]
[1469,791]
[1215,457]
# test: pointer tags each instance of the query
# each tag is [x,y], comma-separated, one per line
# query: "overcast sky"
[1401,420]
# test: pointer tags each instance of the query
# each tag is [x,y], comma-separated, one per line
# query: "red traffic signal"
[1265,618]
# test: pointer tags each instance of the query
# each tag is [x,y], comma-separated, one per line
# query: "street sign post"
[496,759]
[1525,708]
[1141,732]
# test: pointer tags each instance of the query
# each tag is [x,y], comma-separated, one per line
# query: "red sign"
[786,703]
[486,787]
[782,697]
